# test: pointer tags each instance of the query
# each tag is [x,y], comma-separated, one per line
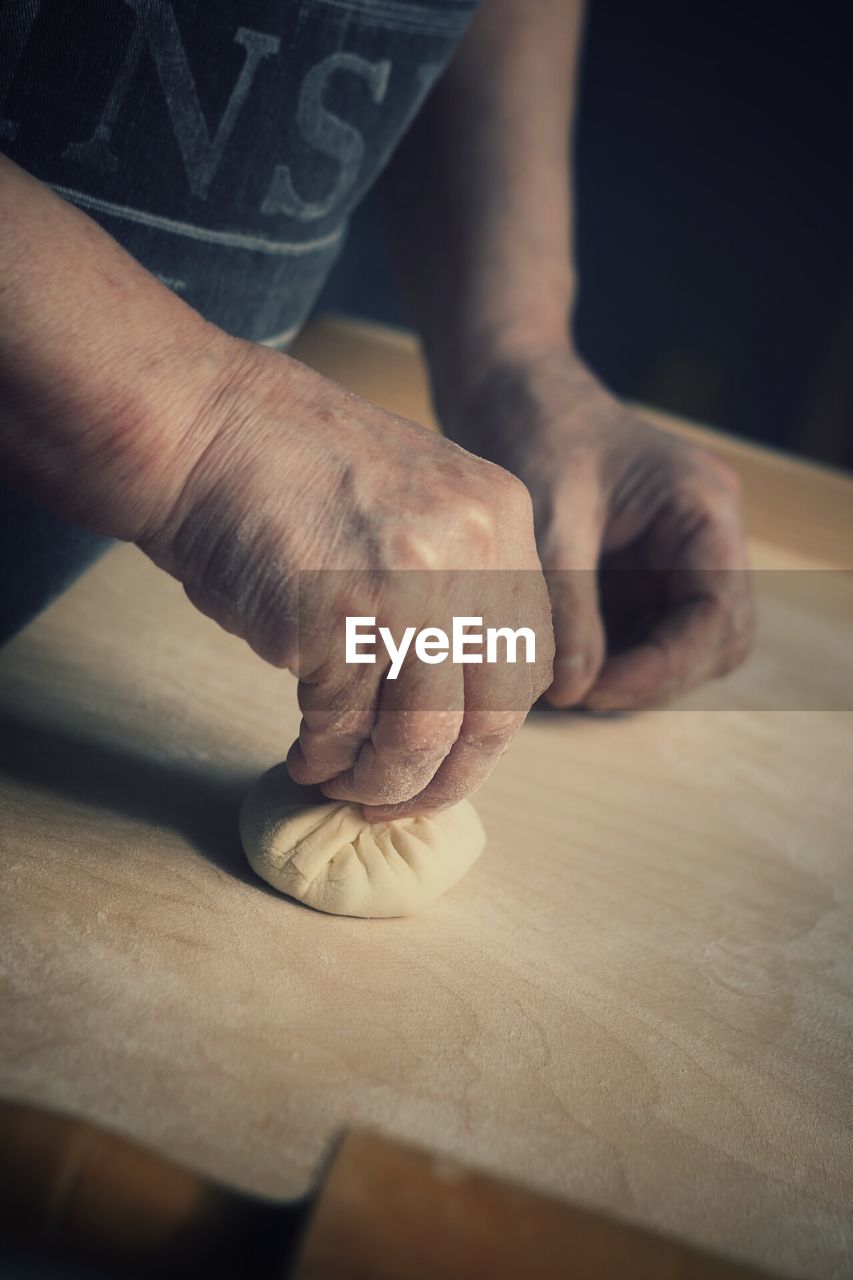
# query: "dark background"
[714,172]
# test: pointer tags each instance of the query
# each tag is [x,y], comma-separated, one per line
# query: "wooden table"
[641,998]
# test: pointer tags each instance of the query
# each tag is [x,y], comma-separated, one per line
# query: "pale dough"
[329,856]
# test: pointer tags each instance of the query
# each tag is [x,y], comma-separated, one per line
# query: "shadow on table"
[198,802]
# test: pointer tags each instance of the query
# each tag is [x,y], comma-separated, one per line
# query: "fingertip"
[609,701]
[296,764]
[563,695]
[559,698]
[574,674]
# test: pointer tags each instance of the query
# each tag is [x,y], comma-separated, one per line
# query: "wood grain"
[641,998]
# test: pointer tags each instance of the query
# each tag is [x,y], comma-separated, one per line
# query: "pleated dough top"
[330,857]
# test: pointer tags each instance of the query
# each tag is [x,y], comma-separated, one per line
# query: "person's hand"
[611,492]
[283,505]
[301,508]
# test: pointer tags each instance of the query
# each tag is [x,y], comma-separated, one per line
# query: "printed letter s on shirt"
[329,134]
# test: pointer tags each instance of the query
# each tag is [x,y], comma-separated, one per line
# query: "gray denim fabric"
[224,144]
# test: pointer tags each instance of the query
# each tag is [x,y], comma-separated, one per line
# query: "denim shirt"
[223,143]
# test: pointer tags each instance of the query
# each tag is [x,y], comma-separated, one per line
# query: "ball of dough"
[326,854]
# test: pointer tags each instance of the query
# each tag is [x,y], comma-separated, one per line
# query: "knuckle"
[725,475]
[418,735]
[738,644]
[712,490]
[491,732]
[504,488]
[704,503]
[508,485]
[386,791]
[514,496]
[479,517]
[345,727]
[418,549]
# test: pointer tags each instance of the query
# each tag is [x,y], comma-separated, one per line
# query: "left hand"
[611,491]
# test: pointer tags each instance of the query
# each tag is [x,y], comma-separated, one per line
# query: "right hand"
[237,468]
[296,474]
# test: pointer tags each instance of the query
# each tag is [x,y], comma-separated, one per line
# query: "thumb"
[578,635]
[570,562]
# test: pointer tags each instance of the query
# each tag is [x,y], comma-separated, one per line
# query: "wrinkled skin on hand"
[611,493]
[296,474]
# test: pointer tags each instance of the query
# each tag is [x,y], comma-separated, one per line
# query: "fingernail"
[579,664]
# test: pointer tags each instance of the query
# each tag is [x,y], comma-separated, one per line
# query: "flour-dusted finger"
[417,722]
[338,713]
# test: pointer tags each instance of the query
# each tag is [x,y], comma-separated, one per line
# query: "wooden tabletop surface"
[640,998]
